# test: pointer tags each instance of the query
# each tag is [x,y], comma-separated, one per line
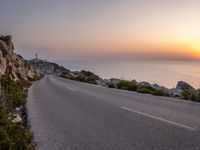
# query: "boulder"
[135,82]
[144,84]
[8,42]
[156,86]
[175,92]
[114,81]
[103,82]
[18,109]
[181,85]
[165,90]
[16,119]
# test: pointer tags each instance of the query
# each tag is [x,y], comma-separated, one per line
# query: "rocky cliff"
[12,64]
[47,67]
[52,68]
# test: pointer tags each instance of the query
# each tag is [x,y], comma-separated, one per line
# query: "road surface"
[70,115]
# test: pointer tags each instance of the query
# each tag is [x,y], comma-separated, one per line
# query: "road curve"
[70,115]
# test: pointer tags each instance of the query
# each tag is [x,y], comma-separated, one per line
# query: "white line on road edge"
[159,118]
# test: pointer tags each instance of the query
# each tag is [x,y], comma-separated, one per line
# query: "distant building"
[35,59]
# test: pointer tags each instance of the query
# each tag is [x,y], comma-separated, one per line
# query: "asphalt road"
[70,115]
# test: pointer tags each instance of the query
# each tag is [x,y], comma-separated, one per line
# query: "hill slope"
[12,64]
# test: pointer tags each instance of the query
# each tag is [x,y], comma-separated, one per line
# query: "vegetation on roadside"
[191,94]
[13,92]
[13,136]
[34,79]
[183,89]
[153,91]
[133,86]
[82,76]
[127,85]
[110,85]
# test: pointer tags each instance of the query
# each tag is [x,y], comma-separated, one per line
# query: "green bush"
[190,94]
[127,85]
[110,85]
[198,95]
[82,76]
[19,135]
[5,142]
[146,90]
[88,77]
[153,91]
[187,94]
[160,93]
[14,92]
[13,136]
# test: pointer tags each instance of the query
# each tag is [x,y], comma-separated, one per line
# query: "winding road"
[70,115]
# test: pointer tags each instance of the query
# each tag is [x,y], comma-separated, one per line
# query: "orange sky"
[63,29]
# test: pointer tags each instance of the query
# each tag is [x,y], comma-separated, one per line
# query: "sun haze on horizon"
[62,29]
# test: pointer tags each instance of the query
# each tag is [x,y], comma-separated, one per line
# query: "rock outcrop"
[89,77]
[144,84]
[183,86]
[145,87]
[82,76]
[12,64]
[52,68]
[16,119]
[175,92]
[46,67]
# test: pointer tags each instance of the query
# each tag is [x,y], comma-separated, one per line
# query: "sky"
[86,29]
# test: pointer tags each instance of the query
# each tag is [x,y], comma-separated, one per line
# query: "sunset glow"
[77,28]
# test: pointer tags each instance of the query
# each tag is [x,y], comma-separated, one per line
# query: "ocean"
[162,72]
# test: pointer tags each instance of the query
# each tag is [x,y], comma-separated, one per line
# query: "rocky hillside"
[52,68]
[89,77]
[12,64]
[183,90]
[46,67]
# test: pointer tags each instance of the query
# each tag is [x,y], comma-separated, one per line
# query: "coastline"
[183,90]
[163,72]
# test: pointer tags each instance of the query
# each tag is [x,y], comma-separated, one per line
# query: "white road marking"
[159,118]
[62,84]
[69,88]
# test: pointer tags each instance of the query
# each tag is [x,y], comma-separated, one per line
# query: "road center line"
[159,118]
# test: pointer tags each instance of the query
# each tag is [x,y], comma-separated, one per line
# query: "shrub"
[187,94]
[5,142]
[145,90]
[160,93]
[88,77]
[127,85]
[19,136]
[14,92]
[198,95]
[153,91]
[13,136]
[190,94]
[110,85]
[82,76]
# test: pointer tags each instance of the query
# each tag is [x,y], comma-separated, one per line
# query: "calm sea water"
[162,72]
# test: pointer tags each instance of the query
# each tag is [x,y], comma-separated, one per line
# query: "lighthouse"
[36,56]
